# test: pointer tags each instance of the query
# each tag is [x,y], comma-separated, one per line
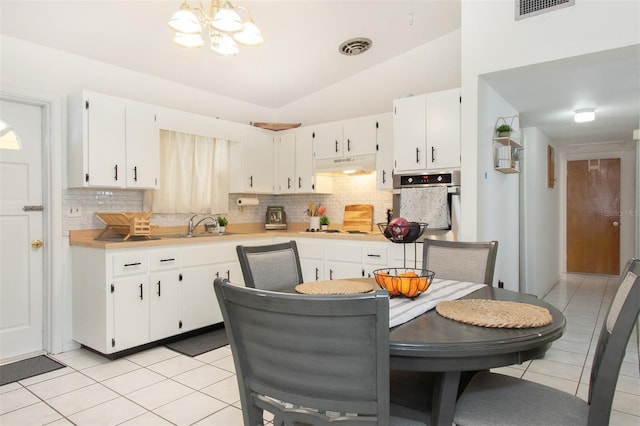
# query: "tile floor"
[162,387]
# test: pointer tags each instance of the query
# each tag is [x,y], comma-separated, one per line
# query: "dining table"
[447,348]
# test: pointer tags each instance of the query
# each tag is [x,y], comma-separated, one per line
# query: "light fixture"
[584,115]
[223,23]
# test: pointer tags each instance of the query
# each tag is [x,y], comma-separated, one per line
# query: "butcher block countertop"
[166,236]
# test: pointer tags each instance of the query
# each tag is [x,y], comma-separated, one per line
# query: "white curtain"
[194,175]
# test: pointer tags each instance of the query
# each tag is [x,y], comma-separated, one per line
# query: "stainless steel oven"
[432,198]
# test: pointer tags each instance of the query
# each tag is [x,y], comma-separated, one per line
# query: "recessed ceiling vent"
[355,46]
[528,8]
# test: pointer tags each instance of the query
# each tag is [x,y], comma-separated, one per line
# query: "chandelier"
[222,21]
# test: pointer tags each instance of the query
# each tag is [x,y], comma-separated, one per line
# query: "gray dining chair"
[271,266]
[453,260]
[310,359]
[460,260]
[496,399]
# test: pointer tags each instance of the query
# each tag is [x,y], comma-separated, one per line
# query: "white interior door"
[21,234]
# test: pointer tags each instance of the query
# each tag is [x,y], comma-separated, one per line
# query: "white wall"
[431,67]
[498,193]
[493,41]
[540,209]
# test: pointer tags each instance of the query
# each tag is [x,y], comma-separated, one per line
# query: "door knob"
[616,223]
[36,243]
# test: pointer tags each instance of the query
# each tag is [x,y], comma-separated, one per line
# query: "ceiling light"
[223,23]
[584,115]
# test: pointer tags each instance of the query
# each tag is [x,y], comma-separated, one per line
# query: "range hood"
[360,164]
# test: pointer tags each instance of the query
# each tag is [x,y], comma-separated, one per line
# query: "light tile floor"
[162,387]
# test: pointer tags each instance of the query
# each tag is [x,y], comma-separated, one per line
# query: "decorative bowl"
[407,282]
[403,233]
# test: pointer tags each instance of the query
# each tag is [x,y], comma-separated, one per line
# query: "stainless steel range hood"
[361,164]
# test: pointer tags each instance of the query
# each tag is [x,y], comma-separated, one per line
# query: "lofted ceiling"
[300,56]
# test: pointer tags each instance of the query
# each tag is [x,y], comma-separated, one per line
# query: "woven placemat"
[495,313]
[335,287]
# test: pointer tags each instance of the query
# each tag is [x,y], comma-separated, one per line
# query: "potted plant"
[504,130]
[222,223]
[324,222]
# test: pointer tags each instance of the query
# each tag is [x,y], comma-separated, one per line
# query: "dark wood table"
[436,344]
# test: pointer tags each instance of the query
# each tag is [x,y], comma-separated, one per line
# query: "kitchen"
[440,60]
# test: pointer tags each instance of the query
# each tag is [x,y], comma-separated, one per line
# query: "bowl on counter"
[407,282]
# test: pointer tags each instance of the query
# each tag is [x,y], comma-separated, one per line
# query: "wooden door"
[593,222]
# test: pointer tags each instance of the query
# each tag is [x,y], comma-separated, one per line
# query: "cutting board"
[358,217]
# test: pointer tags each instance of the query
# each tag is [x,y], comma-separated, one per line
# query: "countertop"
[165,236]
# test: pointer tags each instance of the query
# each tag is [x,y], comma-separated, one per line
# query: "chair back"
[301,356]
[612,343]
[460,261]
[270,267]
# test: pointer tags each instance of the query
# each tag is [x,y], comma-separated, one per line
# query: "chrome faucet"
[191,225]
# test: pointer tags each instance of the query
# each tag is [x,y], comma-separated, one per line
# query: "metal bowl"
[407,282]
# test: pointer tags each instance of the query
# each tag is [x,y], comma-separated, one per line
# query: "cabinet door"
[384,158]
[443,129]
[327,141]
[259,152]
[359,136]
[130,312]
[199,304]
[104,132]
[142,146]
[312,269]
[286,164]
[165,304]
[304,161]
[409,133]
[342,270]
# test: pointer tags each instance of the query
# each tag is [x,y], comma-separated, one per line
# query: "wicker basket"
[127,224]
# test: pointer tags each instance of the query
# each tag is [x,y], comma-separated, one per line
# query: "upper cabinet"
[345,138]
[426,131]
[113,142]
[384,145]
[294,165]
[252,162]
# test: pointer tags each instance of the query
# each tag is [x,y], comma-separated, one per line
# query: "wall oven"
[432,198]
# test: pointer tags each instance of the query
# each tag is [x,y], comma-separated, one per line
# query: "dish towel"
[402,309]
[426,205]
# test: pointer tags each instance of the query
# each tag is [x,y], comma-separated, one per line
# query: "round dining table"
[447,348]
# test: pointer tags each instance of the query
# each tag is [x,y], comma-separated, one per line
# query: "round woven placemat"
[495,313]
[335,287]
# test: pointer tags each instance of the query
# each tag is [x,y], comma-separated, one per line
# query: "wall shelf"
[507,148]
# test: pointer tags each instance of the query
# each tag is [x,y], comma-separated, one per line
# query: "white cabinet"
[252,162]
[165,293]
[374,256]
[384,157]
[294,165]
[286,164]
[113,142]
[128,297]
[426,131]
[343,260]
[311,253]
[345,138]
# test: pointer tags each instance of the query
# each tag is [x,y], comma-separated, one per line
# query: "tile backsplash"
[346,190]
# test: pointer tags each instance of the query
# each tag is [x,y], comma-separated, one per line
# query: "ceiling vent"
[355,46]
[527,8]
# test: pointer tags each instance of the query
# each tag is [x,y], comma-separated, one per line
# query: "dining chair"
[453,260]
[310,359]
[270,267]
[493,399]
[460,260]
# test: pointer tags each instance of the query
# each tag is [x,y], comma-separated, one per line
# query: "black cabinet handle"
[384,176]
[348,144]
[135,173]
[158,288]
[141,297]
[336,145]
[126,265]
[115,172]
[330,274]
[288,183]
[417,155]
[250,181]
[170,259]
[433,154]
[317,274]
[229,275]
[373,255]
[299,182]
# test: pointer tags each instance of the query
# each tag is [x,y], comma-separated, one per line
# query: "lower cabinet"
[123,298]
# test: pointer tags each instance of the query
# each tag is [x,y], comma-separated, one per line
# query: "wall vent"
[528,8]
